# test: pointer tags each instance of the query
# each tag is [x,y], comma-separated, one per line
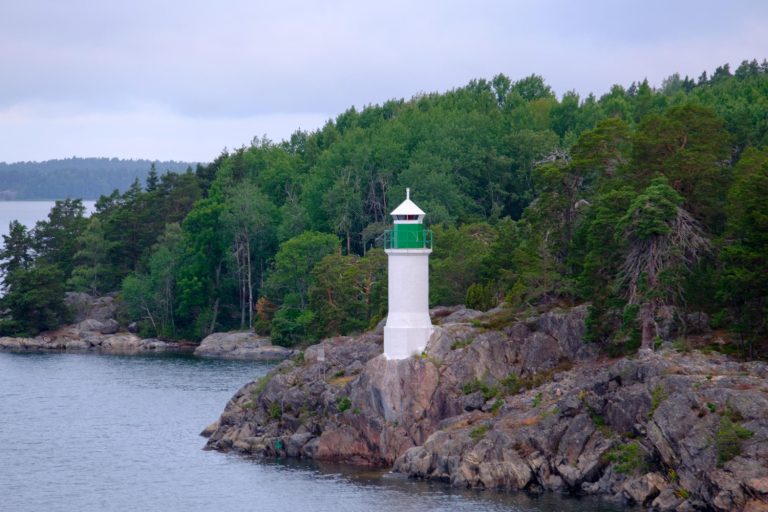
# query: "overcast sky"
[182,80]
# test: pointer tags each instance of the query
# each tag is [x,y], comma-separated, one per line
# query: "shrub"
[275,411]
[476,385]
[627,458]
[480,297]
[344,403]
[728,439]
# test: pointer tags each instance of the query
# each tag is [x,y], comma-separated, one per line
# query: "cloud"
[188,65]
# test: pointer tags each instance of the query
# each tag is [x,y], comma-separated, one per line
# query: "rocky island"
[517,405]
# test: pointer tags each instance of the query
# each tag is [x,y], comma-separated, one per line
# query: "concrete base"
[403,342]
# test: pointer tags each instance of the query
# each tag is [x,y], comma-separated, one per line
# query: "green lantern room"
[408,231]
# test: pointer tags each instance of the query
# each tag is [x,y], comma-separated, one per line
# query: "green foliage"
[343,404]
[628,458]
[348,292]
[476,385]
[275,411]
[16,252]
[291,277]
[744,271]
[34,299]
[480,297]
[658,395]
[56,238]
[479,432]
[728,439]
[262,384]
[532,198]
[456,261]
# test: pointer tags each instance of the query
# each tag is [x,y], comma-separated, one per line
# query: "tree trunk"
[250,287]
[647,325]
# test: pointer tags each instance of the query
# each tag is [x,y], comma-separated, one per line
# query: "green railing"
[408,238]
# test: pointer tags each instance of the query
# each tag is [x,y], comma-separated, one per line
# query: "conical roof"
[407,207]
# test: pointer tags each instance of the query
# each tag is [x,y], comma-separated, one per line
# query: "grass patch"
[262,383]
[627,458]
[275,411]
[458,344]
[477,385]
[658,395]
[496,407]
[479,432]
[728,439]
[537,400]
[299,358]
[340,381]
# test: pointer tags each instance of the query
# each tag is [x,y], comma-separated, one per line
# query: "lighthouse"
[408,246]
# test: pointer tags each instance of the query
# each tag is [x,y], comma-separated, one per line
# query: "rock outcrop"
[241,345]
[529,406]
[96,330]
[89,335]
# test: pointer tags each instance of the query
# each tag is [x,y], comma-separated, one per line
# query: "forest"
[643,202]
[86,178]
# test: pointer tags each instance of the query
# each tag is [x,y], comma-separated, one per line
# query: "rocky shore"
[527,406]
[97,330]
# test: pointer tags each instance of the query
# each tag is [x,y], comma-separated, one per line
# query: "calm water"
[83,432]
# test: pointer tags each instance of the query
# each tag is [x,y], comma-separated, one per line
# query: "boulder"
[84,306]
[461,316]
[241,345]
[643,489]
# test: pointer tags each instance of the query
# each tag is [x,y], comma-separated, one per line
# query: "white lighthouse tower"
[408,246]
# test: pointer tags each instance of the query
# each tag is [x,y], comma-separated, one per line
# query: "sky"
[183,80]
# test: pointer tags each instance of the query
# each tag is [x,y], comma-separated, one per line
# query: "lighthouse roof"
[407,207]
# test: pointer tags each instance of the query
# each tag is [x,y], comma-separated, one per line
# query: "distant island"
[84,178]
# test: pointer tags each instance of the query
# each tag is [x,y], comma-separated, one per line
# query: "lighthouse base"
[403,342]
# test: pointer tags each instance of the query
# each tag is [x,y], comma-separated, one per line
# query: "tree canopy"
[636,201]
